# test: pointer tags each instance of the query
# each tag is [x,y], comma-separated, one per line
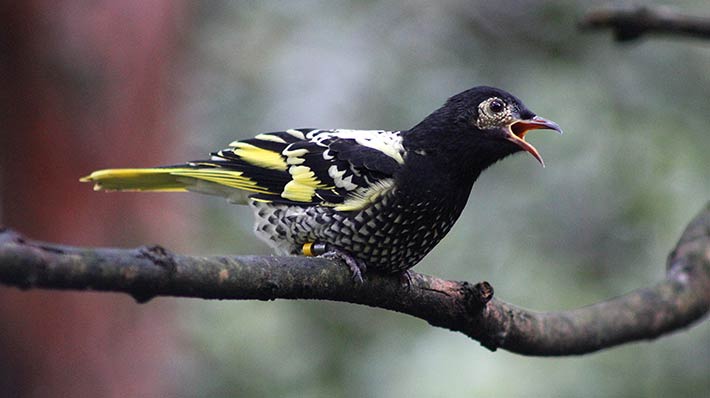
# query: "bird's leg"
[357,267]
[405,279]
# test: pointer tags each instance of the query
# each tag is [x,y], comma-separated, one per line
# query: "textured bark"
[632,23]
[682,298]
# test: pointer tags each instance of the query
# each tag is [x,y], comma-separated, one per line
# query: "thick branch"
[632,23]
[682,298]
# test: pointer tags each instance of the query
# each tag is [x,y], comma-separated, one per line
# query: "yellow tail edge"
[150,179]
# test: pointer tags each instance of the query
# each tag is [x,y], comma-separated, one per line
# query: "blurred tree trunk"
[84,85]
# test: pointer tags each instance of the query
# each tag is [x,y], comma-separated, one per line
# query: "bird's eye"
[496,106]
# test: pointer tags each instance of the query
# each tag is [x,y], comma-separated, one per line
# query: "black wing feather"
[323,152]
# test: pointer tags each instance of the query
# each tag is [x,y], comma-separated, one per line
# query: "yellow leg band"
[308,249]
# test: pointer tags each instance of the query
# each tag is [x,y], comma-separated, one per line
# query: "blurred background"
[96,84]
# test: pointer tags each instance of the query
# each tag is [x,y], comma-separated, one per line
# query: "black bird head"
[487,122]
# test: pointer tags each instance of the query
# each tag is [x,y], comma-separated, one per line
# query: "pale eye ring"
[496,106]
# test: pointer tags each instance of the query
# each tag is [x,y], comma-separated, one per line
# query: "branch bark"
[631,23]
[681,299]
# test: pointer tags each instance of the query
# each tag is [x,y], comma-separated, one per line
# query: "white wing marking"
[387,142]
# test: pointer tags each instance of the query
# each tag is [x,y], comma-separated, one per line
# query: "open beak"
[518,129]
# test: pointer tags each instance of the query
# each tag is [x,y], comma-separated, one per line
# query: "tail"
[207,179]
[161,179]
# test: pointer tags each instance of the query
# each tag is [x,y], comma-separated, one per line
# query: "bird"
[374,199]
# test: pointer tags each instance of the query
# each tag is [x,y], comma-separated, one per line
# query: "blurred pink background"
[85,84]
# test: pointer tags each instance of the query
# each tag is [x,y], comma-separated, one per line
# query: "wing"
[345,169]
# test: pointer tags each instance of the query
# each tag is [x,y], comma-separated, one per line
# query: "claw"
[357,267]
[406,279]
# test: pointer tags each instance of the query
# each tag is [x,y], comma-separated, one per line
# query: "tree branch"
[682,298]
[631,23]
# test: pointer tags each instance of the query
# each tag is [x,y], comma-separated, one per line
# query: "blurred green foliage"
[629,173]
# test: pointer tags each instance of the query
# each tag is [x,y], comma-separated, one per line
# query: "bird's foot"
[325,250]
[406,279]
[357,267]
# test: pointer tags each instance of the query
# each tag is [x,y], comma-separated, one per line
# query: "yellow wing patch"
[259,156]
[270,137]
[361,199]
[295,156]
[303,185]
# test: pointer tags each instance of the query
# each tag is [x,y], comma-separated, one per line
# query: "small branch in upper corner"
[631,23]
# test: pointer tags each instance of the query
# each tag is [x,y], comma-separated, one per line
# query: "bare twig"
[682,298]
[632,23]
